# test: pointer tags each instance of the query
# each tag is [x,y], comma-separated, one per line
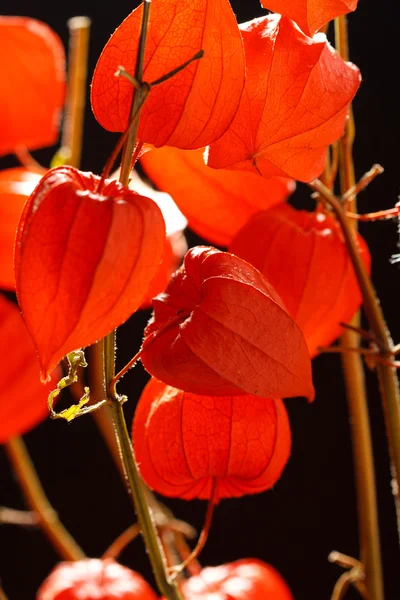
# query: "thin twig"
[118,545]
[343,349]
[138,99]
[35,497]
[127,536]
[351,193]
[149,340]
[204,532]
[23,518]
[343,583]
[26,159]
[354,576]
[380,215]
[177,70]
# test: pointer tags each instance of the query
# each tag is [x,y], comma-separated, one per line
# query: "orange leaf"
[247,579]
[294,104]
[221,329]
[33,84]
[311,15]
[217,203]
[94,578]
[23,400]
[84,260]
[196,106]
[183,441]
[16,185]
[305,258]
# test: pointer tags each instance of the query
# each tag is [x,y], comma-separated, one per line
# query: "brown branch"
[34,494]
[387,375]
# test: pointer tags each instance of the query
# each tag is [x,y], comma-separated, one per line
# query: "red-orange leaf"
[84,260]
[221,329]
[32,73]
[294,104]
[311,15]
[183,442]
[196,106]
[247,579]
[94,579]
[23,398]
[305,258]
[16,185]
[217,203]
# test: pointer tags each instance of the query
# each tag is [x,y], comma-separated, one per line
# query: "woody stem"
[354,376]
[36,499]
[387,375]
[79,30]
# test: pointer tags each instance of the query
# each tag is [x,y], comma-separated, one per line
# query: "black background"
[312,509]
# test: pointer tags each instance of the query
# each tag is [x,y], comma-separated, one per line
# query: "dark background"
[312,509]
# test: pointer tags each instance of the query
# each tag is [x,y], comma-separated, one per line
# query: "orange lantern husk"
[304,256]
[94,578]
[221,329]
[295,103]
[184,442]
[247,579]
[216,202]
[201,99]
[32,73]
[16,185]
[23,398]
[310,15]
[86,254]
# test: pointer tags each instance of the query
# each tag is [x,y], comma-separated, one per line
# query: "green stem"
[34,494]
[157,558]
[134,482]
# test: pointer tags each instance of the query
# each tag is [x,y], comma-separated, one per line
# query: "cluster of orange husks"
[232,332]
